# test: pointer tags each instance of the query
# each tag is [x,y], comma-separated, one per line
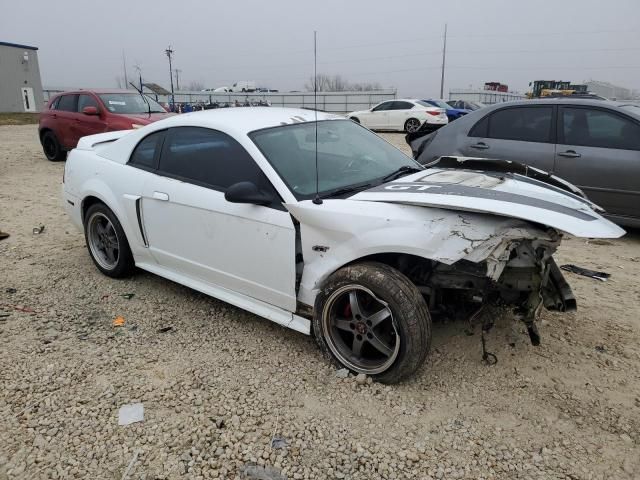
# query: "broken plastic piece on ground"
[118,321]
[128,296]
[257,472]
[602,276]
[19,308]
[130,413]
[3,235]
[278,442]
[38,230]
[165,329]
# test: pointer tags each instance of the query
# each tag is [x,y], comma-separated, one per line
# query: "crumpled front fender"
[339,232]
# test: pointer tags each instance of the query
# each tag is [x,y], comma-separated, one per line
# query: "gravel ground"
[222,383]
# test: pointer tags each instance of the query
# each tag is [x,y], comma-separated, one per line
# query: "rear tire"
[107,242]
[52,148]
[412,125]
[370,318]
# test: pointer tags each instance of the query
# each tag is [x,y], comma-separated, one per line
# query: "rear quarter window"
[146,153]
[481,128]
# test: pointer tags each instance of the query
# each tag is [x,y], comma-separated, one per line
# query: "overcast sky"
[397,44]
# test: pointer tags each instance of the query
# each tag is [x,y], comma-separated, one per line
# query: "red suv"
[71,115]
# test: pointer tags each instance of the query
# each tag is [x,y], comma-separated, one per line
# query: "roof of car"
[100,91]
[245,119]
[561,100]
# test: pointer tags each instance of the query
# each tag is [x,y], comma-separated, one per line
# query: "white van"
[243,86]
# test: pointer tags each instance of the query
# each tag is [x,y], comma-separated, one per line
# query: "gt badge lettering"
[415,188]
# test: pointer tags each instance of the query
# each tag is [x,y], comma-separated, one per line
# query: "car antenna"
[317,200]
[139,90]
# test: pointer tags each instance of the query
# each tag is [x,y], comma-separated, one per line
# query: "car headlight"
[136,125]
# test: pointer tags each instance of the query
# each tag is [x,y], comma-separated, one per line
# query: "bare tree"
[336,83]
[195,86]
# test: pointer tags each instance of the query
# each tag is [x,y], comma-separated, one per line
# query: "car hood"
[145,118]
[496,193]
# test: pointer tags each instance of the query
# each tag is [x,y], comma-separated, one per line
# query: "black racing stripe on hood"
[433,188]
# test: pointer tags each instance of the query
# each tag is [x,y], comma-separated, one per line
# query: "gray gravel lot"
[221,383]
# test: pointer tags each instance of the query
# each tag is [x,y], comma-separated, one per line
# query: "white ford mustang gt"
[227,202]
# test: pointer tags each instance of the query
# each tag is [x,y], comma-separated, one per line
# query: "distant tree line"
[336,83]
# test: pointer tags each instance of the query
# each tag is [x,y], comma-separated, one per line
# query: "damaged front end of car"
[521,275]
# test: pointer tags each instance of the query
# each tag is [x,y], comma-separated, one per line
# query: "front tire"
[370,318]
[107,242]
[412,125]
[52,148]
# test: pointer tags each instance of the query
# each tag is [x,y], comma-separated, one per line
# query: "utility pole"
[124,68]
[444,56]
[169,52]
[178,72]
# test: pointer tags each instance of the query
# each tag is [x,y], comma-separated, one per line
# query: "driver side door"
[193,230]
[378,117]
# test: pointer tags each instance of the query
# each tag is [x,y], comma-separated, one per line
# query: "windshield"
[129,103]
[348,156]
[437,103]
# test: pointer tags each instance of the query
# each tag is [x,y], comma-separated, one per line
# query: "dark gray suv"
[593,144]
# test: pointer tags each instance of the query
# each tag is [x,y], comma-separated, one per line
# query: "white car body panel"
[197,232]
[245,254]
[477,192]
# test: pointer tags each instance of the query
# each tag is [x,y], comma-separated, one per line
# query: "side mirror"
[247,192]
[90,110]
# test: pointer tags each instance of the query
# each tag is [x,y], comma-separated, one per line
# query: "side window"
[145,155]
[598,128]
[208,158]
[481,128]
[54,104]
[526,124]
[68,103]
[86,101]
[383,106]
[402,106]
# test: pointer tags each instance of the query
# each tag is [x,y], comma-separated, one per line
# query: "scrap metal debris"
[602,276]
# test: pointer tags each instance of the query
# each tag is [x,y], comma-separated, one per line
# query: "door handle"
[569,154]
[480,146]
[161,196]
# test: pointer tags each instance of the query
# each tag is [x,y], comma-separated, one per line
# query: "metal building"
[20,83]
[608,90]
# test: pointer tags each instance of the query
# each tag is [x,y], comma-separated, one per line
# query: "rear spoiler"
[487,165]
[91,141]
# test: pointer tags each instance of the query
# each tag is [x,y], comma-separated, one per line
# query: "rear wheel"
[371,319]
[412,125]
[107,242]
[52,148]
